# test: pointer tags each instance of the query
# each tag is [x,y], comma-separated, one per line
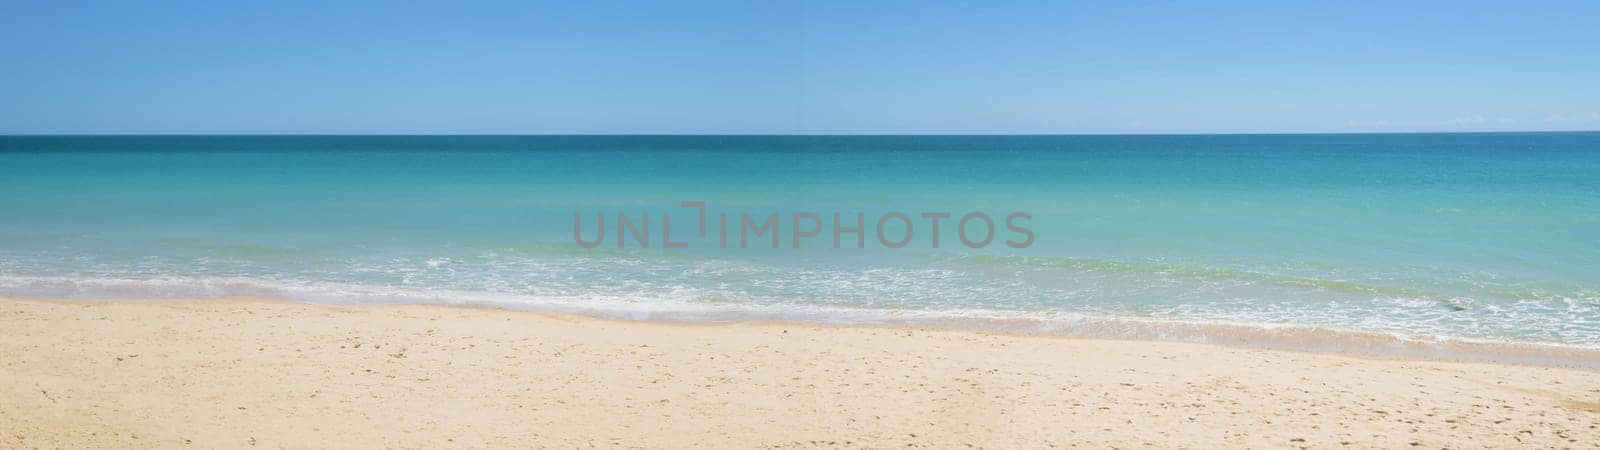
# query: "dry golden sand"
[208,374]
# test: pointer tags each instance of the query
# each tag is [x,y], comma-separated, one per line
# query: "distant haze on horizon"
[813,67]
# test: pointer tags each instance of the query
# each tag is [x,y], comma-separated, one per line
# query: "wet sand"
[241,373]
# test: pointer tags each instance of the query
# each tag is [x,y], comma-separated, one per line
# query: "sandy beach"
[241,373]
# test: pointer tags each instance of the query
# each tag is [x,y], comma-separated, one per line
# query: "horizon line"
[1241,133]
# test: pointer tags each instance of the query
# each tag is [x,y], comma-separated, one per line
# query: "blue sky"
[797,67]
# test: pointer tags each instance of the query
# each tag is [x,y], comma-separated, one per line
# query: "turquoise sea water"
[1365,242]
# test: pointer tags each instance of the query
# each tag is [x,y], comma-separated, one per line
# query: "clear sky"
[797,67]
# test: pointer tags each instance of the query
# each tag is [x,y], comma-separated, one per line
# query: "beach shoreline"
[231,373]
[1068,324]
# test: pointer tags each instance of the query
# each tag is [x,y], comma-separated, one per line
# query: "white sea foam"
[692,305]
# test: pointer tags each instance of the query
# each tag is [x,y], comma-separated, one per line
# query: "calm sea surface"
[1385,240]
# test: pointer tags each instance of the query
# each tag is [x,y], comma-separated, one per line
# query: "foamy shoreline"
[230,373]
[1270,336]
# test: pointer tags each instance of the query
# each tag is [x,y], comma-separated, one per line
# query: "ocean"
[1431,244]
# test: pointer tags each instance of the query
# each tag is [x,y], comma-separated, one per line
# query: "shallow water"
[1414,238]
